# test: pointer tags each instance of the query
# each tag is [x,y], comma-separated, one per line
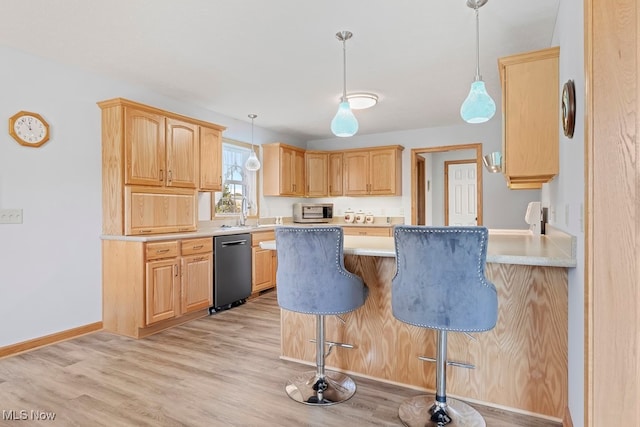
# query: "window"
[237,182]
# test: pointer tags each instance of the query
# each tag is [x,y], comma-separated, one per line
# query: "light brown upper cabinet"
[335,174]
[373,172]
[283,170]
[159,151]
[530,108]
[210,159]
[153,162]
[316,166]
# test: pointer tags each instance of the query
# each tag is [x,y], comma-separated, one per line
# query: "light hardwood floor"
[222,370]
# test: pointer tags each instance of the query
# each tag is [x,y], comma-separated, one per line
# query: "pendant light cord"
[344,70]
[478,76]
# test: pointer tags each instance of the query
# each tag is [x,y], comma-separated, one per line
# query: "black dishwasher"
[232,270]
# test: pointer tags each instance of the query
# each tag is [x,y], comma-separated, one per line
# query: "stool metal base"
[418,411]
[308,388]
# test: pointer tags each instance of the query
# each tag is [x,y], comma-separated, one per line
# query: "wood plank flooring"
[221,370]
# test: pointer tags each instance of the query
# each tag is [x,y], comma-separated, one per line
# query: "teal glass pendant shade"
[479,106]
[344,123]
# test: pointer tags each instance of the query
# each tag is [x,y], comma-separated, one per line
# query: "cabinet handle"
[362,233]
[170,176]
[145,231]
[330,190]
[201,258]
[184,229]
[162,251]
[197,247]
[161,174]
[175,270]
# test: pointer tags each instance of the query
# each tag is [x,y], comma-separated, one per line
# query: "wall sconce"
[493,162]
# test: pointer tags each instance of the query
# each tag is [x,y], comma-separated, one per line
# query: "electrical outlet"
[10,216]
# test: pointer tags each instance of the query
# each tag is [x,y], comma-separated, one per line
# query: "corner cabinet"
[373,172]
[530,108]
[283,170]
[153,164]
[151,286]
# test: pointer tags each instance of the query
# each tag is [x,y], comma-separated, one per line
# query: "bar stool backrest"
[311,277]
[440,278]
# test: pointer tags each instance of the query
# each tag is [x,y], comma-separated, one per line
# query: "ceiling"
[280,59]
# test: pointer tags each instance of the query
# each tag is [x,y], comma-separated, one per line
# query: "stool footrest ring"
[449,362]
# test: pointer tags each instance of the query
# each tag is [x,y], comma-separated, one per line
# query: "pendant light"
[344,123]
[478,107]
[252,163]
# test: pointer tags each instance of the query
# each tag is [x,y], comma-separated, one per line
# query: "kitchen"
[68,275]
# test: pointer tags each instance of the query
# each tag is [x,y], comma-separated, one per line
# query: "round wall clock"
[568,108]
[29,129]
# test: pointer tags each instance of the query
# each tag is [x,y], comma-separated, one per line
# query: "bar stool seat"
[440,284]
[311,279]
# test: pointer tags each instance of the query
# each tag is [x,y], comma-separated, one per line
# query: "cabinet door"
[262,273]
[530,88]
[298,173]
[182,154]
[197,282]
[159,210]
[161,290]
[356,173]
[316,174]
[144,147]
[335,174]
[210,159]
[382,172]
[287,162]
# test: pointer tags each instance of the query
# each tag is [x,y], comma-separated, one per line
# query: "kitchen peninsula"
[521,364]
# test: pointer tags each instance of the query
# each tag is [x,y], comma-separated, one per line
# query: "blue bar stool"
[311,279]
[440,284]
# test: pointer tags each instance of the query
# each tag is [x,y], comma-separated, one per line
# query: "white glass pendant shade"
[252,163]
[344,123]
[479,106]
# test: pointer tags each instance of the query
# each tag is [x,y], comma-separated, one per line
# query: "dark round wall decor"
[569,108]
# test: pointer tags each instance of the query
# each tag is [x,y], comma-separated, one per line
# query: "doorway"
[428,210]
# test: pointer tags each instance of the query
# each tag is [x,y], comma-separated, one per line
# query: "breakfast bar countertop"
[554,249]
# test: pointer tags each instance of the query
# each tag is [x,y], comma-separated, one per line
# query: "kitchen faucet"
[244,211]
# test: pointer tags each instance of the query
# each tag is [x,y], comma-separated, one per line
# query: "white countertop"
[505,247]
[555,249]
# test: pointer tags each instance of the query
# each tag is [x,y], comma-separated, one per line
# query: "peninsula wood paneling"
[521,363]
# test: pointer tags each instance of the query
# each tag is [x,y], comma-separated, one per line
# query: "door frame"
[415,152]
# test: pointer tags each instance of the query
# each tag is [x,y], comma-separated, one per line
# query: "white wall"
[496,193]
[50,265]
[565,194]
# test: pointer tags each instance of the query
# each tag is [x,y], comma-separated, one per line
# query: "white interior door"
[462,193]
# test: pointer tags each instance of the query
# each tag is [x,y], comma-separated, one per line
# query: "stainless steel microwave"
[312,212]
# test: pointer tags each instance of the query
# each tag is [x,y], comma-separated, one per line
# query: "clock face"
[29,129]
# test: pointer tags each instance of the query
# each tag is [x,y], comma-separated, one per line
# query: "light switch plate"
[10,216]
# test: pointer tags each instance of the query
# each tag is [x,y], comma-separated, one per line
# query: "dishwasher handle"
[234,243]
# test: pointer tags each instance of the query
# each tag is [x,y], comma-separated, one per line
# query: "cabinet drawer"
[197,246]
[158,250]
[367,231]
[262,236]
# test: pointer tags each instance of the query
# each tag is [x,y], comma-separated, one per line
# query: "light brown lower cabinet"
[151,286]
[263,262]
[367,231]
